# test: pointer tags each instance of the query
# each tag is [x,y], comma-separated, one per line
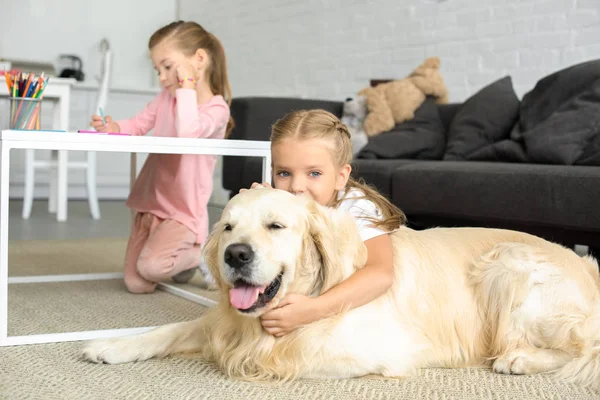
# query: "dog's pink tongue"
[244,297]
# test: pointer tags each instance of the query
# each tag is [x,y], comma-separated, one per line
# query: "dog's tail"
[585,370]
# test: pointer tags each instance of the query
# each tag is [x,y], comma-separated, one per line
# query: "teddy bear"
[394,102]
[353,116]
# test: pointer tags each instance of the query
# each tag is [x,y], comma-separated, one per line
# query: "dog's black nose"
[238,255]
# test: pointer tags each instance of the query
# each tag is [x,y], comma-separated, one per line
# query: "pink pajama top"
[178,186]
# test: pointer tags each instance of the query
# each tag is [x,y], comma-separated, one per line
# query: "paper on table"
[103,133]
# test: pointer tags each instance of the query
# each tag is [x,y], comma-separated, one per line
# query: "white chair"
[58,193]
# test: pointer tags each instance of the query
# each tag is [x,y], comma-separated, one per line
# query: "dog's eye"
[276,225]
[227,227]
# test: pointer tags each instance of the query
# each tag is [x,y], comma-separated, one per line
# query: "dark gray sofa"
[557,202]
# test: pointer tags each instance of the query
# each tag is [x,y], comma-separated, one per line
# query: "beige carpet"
[54,371]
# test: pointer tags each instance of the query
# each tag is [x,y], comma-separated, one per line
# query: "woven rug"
[55,371]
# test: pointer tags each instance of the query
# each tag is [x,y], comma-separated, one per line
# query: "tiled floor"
[115,221]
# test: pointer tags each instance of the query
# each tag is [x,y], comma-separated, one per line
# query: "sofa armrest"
[253,117]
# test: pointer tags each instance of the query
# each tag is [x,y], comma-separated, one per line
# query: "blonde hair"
[189,37]
[321,124]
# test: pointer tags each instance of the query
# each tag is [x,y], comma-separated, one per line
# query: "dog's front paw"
[514,363]
[112,351]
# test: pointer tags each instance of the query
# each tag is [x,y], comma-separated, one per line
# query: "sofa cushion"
[571,134]
[560,117]
[545,195]
[552,92]
[447,113]
[504,150]
[422,137]
[559,121]
[378,172]
[485,118]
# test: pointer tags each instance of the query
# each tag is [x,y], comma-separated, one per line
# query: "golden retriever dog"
[461,297]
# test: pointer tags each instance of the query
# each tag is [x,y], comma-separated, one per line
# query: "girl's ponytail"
[219,81]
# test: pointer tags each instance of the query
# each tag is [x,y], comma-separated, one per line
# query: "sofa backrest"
[254,116]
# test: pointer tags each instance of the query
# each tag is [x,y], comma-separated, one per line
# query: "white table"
[41,140]
[60,90]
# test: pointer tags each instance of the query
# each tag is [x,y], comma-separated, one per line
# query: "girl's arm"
[194,123]
[363,286]
[143,122]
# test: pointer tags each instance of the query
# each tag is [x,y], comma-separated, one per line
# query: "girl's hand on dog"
[256,184]
[293,311]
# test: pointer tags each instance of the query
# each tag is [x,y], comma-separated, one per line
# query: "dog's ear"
[211,253]
[335,234]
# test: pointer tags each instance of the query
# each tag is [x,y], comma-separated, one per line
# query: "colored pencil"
[27,90]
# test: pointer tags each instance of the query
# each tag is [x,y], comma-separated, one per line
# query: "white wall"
[42,29]
[329,49]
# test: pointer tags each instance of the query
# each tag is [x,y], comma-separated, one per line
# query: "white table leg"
[132,169]
[61,213]
[61,121]
[91,185]
[29,183]
[4,186]
[266,167]
[132,176]
[73,336]
[52,181]
[196,298]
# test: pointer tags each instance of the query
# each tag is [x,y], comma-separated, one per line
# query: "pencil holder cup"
[25,113]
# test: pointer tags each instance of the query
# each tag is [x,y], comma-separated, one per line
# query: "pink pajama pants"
[158,249]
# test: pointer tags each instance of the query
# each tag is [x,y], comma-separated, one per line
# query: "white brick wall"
[329,49]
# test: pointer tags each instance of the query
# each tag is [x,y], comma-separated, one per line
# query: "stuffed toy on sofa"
[394,102]
[353,116]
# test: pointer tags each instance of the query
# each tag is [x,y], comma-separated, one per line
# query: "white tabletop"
[132,144]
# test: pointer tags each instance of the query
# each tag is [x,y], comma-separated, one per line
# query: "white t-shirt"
[362,210]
